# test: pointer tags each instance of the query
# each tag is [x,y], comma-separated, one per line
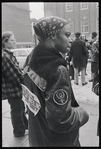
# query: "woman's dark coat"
[78,52]
[57,123]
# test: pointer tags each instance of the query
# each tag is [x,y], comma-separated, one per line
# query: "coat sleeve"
[94,48]
[60,115]
[85,49]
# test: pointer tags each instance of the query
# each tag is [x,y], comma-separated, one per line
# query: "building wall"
[16,18]
[59,9]
[20,5]
[48,10]
[84,14]
[76,17]
[92,17]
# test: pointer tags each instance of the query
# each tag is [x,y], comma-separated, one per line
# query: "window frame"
[83,26]
[83,3]
[71,3]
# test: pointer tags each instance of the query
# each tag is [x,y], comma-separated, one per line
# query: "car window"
[22,53]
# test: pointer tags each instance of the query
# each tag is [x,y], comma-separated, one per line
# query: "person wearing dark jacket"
[78,54]
[95,60]
[54,121]
[71,68]
[95,89]
[83,37]
[94,56]
[95,84]
[12,78]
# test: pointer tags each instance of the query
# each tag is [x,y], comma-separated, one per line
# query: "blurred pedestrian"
[95,84]
[71,68]
[95,63]
[78,54]
[53,119]
[11,85]
[93,56]
[83,37]
[95,89]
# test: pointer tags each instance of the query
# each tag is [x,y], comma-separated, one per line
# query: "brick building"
[16,18]
[82,16]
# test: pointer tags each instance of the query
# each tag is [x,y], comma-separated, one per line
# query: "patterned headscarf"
[48,27]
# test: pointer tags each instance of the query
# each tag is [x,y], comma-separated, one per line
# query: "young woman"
[54,120]
[11,85]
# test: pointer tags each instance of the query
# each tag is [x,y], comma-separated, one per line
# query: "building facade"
[82,16]
[16,18]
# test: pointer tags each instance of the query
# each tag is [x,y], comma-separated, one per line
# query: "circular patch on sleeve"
[60,97]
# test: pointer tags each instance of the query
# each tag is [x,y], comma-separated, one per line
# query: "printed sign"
[30,100]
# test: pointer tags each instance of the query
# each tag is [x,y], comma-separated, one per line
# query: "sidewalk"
[7,131]
[85,97]
[90,102]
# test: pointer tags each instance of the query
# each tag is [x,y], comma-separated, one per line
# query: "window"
[84,26]
[69,7]
[83,5]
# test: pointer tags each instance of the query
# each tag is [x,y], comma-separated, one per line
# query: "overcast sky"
[37,10]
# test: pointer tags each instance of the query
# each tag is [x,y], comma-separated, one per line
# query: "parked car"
[21,55]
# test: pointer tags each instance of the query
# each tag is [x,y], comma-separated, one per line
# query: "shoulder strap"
[40,82]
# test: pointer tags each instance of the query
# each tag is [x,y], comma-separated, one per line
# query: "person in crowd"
[95,85]
[95,89]
[78,53]
[53,119]
[83,37]
[95,50]
[69,61]
[11,85]
[71,68]
[93,56]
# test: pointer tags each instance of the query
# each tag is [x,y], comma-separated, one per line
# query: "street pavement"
[88,133]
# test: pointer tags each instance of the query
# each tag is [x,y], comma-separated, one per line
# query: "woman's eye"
[68,34]
[13,40]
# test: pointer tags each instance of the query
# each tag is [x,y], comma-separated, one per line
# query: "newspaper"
[30,100]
